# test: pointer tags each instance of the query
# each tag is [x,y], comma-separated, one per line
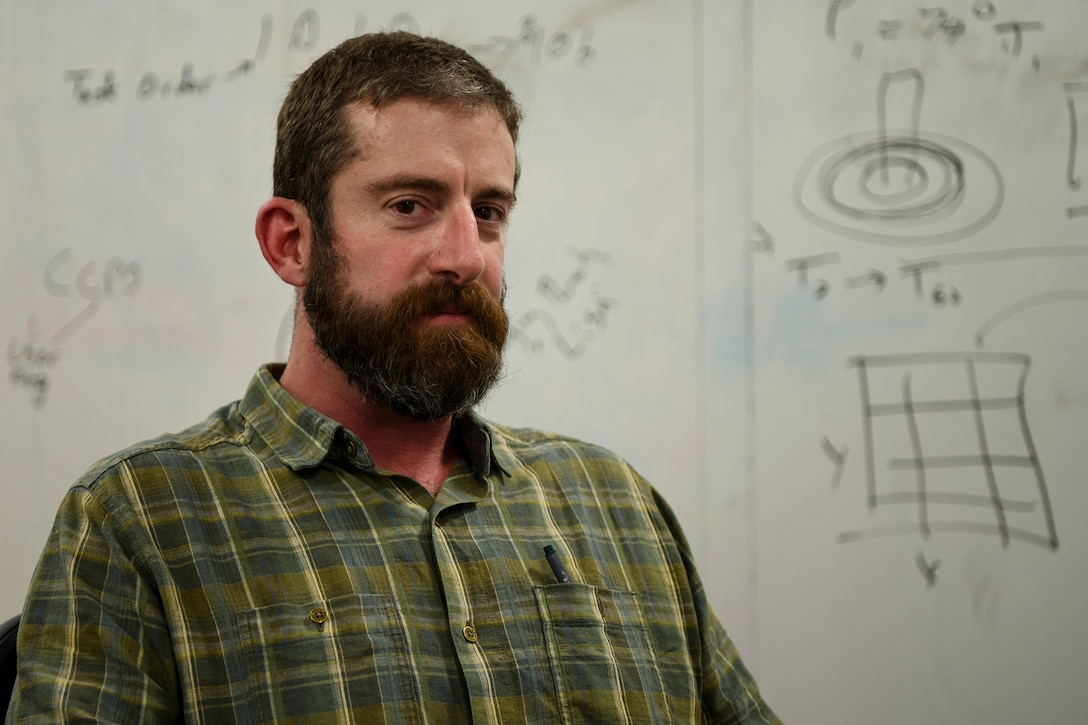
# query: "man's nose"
[459,254]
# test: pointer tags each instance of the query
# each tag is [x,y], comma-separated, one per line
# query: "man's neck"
[423,451]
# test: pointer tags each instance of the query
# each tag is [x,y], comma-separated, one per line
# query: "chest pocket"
[602,659]
[326,659]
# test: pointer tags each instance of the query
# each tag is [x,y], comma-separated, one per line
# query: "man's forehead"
[382,131]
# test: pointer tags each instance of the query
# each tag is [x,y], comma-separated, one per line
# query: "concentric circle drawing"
[900,188]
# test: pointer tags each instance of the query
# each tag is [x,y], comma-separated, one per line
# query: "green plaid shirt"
[259,568]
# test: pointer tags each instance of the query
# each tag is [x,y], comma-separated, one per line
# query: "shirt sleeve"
[93,642]
[729,692]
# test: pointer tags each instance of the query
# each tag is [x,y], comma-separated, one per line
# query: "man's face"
[406,297]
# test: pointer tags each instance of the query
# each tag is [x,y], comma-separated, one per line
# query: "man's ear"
[284,233]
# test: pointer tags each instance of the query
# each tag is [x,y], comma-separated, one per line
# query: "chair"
[8,632]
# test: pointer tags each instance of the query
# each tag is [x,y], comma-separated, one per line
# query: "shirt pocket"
[346,655]
[601,655]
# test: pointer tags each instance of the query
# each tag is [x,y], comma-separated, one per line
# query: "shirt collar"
[300,436]
[303,438]
[478,436]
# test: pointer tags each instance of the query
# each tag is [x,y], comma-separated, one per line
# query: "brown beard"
[393,356]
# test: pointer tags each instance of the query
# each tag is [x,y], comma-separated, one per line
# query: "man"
[349,542]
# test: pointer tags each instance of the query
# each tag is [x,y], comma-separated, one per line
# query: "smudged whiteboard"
[921,300]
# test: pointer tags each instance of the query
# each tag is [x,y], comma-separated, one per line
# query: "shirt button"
[470,634]
[319,617]
[350,449]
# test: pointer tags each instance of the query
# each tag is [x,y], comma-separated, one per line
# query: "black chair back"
[8,632]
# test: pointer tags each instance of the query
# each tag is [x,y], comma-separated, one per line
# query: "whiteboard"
[137,147]
[920,296]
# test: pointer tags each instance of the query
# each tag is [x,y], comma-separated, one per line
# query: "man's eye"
[407,206]
[489,213]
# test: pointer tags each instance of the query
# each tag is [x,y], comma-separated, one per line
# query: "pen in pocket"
[556,564]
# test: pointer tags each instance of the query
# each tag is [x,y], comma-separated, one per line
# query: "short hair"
[313,138]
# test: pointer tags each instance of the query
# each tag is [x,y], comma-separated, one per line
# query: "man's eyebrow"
[501,194]
[427,183]
[404,181]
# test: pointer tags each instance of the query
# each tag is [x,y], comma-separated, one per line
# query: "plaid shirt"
[259,568]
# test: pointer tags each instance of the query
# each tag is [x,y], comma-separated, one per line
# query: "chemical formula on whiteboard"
[532,41]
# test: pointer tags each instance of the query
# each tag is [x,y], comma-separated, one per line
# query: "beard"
[393,356]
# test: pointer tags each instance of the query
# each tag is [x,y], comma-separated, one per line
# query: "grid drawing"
[947,435]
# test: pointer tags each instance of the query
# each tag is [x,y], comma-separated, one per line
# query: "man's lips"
[450,314]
